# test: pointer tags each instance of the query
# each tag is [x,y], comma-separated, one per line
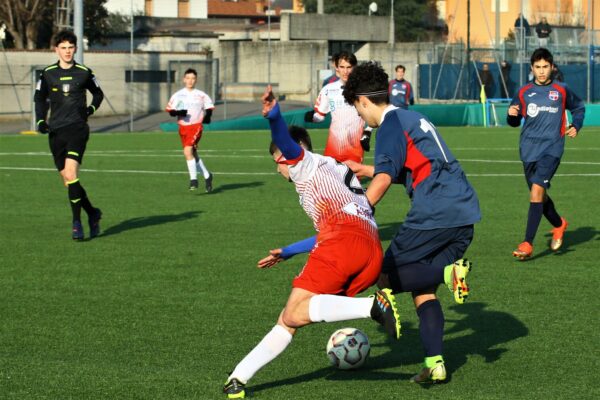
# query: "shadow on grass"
[142,222]
[234,186]
[486,332]
[573,238]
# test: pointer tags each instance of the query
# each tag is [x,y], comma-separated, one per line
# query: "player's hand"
[173,113]
[43,127]
[571,131]
[268,101]
[513,110]
[182,113]
[89,111]
[273,258]
[308,116]
[360,170]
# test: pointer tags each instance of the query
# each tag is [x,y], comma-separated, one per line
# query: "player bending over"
[193,108]
[345,256]
[428,247]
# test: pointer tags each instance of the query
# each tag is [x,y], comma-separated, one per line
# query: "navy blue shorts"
[436,246]
[541,171]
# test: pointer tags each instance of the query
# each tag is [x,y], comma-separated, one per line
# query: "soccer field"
[168,299]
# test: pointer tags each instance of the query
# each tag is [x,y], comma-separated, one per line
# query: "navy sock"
[533,220]
[551,214]
[416,277]
[431,327]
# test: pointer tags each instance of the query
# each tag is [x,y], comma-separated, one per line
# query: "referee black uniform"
[63,92]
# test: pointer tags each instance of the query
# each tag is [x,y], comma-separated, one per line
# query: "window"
[183,8]
[149,76]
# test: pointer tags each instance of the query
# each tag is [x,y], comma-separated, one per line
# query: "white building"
[160,8]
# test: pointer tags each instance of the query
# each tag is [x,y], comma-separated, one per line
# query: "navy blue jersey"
[411,151]
[543,107]
[401,93]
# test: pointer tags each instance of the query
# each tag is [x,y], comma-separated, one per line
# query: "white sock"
[191,164]
[272,345]
[330,308]
[201,167]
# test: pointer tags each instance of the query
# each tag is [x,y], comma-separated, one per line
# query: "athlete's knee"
[68,175]
[423,296]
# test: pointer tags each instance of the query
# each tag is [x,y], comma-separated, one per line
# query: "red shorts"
[343,262]
[190,134]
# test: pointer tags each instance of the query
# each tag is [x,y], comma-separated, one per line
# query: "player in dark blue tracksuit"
[543,103]
[400,90]
[428,248]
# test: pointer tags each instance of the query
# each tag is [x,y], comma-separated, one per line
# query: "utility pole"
[320,7]
[78,25]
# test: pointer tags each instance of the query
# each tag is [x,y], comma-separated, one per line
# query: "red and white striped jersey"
[194,101]
[345,131]
[330,193]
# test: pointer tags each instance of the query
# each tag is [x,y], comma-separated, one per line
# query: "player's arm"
[577,108]
[411,96]
[360,170]
[40,99]
[279,130]
[207,116]
[318,113]
[97,94]
[513,116]
[278,255]
[377,188]
[390,156]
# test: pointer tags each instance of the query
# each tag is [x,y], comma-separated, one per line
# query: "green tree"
[413,19]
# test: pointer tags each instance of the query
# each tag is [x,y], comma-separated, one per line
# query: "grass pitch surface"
[168,299]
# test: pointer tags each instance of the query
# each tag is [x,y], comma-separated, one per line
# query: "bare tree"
[23,19]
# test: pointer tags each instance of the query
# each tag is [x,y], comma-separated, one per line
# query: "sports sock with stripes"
[76,193]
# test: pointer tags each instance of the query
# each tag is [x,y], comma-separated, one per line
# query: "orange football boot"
[523,251]
[557,235]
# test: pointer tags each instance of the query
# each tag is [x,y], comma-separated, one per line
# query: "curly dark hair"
[368,77]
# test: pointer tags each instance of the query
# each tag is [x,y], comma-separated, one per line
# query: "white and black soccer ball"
[348,348]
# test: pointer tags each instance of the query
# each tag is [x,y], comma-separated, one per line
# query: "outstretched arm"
[279,130]
[278,255]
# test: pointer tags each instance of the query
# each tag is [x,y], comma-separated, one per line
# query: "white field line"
[126,171]
[204,155]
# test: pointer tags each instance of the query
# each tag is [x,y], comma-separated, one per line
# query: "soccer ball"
[348,348]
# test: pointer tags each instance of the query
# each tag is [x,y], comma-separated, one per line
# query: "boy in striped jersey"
[323,292]
[347,138]
[428,248]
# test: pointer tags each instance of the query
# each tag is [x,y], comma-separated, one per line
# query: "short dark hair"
[344,55]
[190,71]
[335,58]
[400,66]
[542,54]
[299,135]
[65,36]
[367,78]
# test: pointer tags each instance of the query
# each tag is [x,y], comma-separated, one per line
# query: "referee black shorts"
[68,142]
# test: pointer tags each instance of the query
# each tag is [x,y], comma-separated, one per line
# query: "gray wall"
[334,27]
[109,68]
[295,67]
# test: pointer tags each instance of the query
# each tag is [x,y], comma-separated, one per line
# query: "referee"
[62,89]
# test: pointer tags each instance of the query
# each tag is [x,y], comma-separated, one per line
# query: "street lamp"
[372,8]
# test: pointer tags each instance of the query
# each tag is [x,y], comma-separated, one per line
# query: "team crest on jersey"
[553,95]
[66,88]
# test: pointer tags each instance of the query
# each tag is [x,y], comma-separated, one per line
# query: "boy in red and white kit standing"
[193,108]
